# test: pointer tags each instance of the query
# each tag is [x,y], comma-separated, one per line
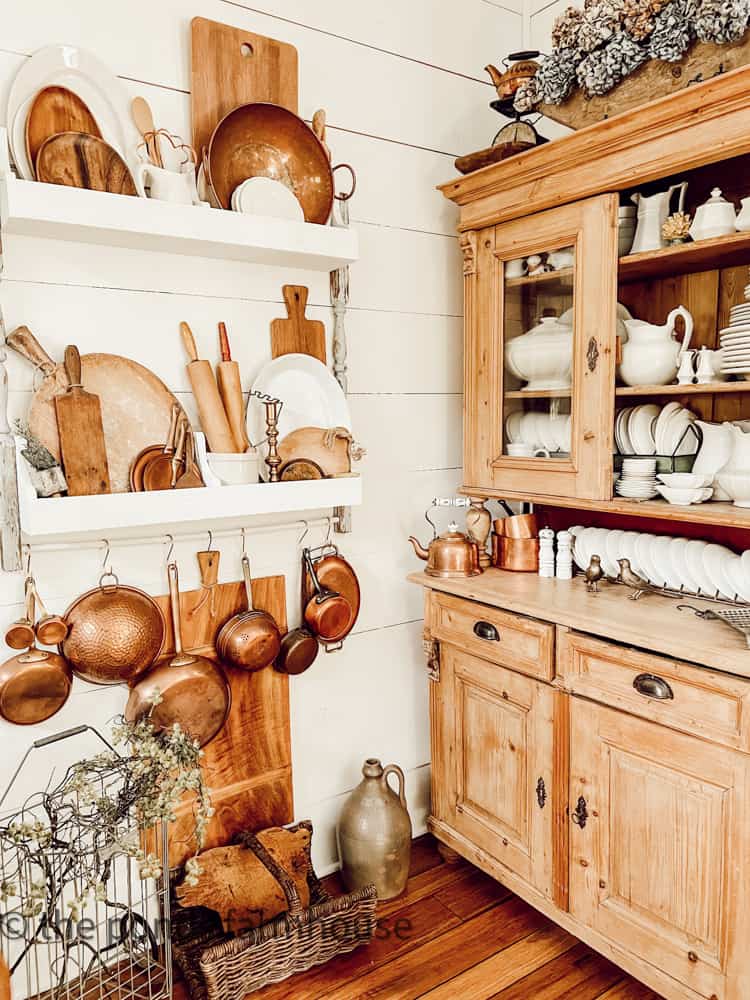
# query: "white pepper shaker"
[564,555]
[546,552]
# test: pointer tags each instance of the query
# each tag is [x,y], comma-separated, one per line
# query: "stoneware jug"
[652,214]
[374,833]
[652,356]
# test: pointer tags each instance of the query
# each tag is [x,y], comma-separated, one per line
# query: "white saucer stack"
[735,340]
[638,479]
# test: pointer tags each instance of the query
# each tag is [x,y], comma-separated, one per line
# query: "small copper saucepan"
[327,613]
[251,639]
[299,647]
[34,685]
[189,690]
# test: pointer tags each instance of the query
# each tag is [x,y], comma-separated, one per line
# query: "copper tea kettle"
[452,554]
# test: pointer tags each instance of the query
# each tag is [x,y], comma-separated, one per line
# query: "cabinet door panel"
[657,844]
[552,391]
[501,770]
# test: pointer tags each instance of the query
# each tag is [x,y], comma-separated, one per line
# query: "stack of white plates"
[678,563]
[540,430]
[649,429]
[735,347]
[638,479]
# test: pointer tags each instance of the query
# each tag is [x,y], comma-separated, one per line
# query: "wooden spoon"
[144,122]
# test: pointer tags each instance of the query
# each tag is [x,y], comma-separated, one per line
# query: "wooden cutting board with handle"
[231,66]
[296,334]
[79,424]
[248,766]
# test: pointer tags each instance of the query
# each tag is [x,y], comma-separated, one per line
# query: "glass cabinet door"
[541,317]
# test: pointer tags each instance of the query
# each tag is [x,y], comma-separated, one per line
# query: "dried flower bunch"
[598,46]
[676,226]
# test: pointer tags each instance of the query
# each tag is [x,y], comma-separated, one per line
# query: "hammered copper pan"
[115,633]
[251,639]
[192,691]
[266,140]
[34,685]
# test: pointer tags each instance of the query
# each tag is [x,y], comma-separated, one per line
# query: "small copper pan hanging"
[36,684]
[251,639]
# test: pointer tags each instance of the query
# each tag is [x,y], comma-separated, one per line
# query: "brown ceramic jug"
[374,833]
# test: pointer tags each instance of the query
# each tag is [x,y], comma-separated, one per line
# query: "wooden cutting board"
[296,334]
[79,423]
[231,66]
[83,161]
[55,110]
[248,766]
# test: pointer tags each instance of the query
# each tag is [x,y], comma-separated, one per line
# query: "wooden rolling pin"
[230,390]
[210,407]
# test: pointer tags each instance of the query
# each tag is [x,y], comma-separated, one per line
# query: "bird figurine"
[594,574]
[631,579]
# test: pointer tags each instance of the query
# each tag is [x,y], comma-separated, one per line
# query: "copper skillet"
[299,647]
[327,613]
[251,639]
[189,690]
[36,684]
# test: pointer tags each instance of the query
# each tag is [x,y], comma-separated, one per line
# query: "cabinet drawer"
[521,644]
[676,694]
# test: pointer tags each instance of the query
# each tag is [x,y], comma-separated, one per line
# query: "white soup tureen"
[543,357]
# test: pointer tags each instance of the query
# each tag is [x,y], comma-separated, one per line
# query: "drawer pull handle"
[483,630]
[580,814]
[653,687]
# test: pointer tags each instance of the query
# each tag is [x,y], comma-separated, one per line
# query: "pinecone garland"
[673,32]
[600,71]
[566,29]
[600,22]
[721,21]
[557,75]
[640,17]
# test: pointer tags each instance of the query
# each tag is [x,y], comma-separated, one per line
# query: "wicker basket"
[218,966]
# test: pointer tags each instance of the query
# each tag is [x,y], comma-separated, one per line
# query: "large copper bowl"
[265,140]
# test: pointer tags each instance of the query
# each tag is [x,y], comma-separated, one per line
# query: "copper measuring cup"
[20,634]
[50,629]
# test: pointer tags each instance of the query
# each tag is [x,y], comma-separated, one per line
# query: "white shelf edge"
[51,211]
[121,514]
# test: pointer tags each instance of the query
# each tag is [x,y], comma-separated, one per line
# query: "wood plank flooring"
[456,934]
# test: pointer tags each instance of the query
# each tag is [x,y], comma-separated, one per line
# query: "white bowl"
[685,480]
[685,497]
[233,469]
[736,485]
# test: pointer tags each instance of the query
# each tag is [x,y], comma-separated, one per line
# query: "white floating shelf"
[121,514]
[52,211]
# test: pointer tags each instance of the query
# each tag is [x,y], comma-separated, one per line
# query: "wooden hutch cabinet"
[592,752]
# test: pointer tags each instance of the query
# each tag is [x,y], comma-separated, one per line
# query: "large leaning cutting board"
[231,66]
[248,766]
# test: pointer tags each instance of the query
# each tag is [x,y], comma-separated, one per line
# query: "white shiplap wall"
[403,86]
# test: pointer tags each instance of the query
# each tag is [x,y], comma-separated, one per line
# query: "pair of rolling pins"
[219,398]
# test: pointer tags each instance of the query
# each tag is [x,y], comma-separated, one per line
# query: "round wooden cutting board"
[136,410]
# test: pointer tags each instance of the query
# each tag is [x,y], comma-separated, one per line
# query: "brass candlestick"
[273,459]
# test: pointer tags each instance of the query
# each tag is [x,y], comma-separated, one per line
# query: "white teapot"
[651,355]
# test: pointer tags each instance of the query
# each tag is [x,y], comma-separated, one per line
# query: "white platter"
[311,396]
[715,558]
[83,73]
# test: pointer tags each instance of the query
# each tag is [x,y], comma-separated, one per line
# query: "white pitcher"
[652,214]
[652,355]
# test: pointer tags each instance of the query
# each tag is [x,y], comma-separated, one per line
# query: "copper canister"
[521,555]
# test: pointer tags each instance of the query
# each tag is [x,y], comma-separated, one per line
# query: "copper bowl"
[265,140]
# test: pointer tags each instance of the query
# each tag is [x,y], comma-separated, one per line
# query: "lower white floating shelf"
[61,518]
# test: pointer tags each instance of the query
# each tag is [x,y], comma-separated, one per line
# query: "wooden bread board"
[248,766]
[231,66]
[296,334]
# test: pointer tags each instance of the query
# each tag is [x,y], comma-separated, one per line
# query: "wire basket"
[60,940]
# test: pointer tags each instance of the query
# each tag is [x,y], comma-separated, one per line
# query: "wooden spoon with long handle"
[144,122]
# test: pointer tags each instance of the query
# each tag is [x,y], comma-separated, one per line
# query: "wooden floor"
[456,934]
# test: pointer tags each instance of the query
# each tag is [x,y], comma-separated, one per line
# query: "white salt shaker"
[546,552]
[564,555]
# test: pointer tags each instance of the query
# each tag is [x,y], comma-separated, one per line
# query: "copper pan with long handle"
[299,647]
[189,690]
[327,613]
[251,639]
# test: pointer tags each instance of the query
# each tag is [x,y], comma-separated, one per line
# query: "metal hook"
[27,553]
[303,536]
[171,548]
[244,551]
[210,540]
[329,533]
[105,542]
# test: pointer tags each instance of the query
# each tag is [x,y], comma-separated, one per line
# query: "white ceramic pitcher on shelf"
[652,214]
[652,355]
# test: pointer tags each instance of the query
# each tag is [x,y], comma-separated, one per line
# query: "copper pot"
[299,647]
[192,691]
[521,555]
[115,633]
[517,526]
[452,554]
[250,640]
[336,574]
[34,685]
[327,614]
